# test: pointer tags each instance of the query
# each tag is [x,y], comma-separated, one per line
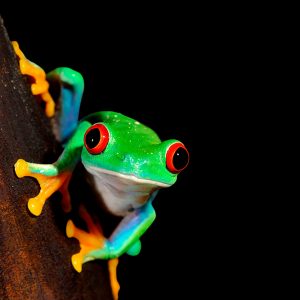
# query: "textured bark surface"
[34,252]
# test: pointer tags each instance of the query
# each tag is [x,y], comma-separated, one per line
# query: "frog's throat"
[122,193]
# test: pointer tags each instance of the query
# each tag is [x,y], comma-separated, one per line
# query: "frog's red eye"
[96,138]
[177,157]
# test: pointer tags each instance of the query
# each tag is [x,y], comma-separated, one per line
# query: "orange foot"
[89,241]
[112,268]
[48,184]
[40,85]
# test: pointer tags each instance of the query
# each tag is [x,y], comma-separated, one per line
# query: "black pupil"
[180,158]
[92,138]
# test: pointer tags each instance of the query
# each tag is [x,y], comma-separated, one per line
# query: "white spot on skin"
[137,123]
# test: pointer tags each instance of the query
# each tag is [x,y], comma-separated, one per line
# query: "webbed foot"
[48,184]
[88,241]
[40,86]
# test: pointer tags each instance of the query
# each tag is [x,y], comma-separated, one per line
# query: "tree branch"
[35,252]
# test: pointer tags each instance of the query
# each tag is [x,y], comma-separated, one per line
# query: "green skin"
[133,150]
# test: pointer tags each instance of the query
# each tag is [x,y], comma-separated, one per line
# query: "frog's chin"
[122,193]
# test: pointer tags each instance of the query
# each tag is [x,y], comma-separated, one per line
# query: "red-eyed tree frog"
[128,163]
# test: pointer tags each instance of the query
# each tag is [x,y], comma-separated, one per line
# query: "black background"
[160,67]
[203,74]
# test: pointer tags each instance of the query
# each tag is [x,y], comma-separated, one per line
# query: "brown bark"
[34,251]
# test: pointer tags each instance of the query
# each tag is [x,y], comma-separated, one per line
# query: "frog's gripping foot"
[40,86]
[48,184]
[89,241]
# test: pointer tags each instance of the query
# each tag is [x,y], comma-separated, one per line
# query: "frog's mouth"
[122,193]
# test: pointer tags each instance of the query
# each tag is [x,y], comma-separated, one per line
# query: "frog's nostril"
[130,209]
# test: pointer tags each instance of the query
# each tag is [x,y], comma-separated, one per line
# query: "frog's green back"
[130,128]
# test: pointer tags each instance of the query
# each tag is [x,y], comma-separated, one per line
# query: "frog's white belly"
[121,193]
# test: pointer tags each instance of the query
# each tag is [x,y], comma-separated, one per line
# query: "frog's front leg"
[48,182]
[54,177]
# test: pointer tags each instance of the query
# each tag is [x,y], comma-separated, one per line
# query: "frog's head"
[129,162]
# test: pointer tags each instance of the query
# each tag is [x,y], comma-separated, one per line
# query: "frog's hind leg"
[40,85]
[49,182]
[91,240]
[64,189]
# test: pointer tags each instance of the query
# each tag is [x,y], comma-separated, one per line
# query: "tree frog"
[128,163]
